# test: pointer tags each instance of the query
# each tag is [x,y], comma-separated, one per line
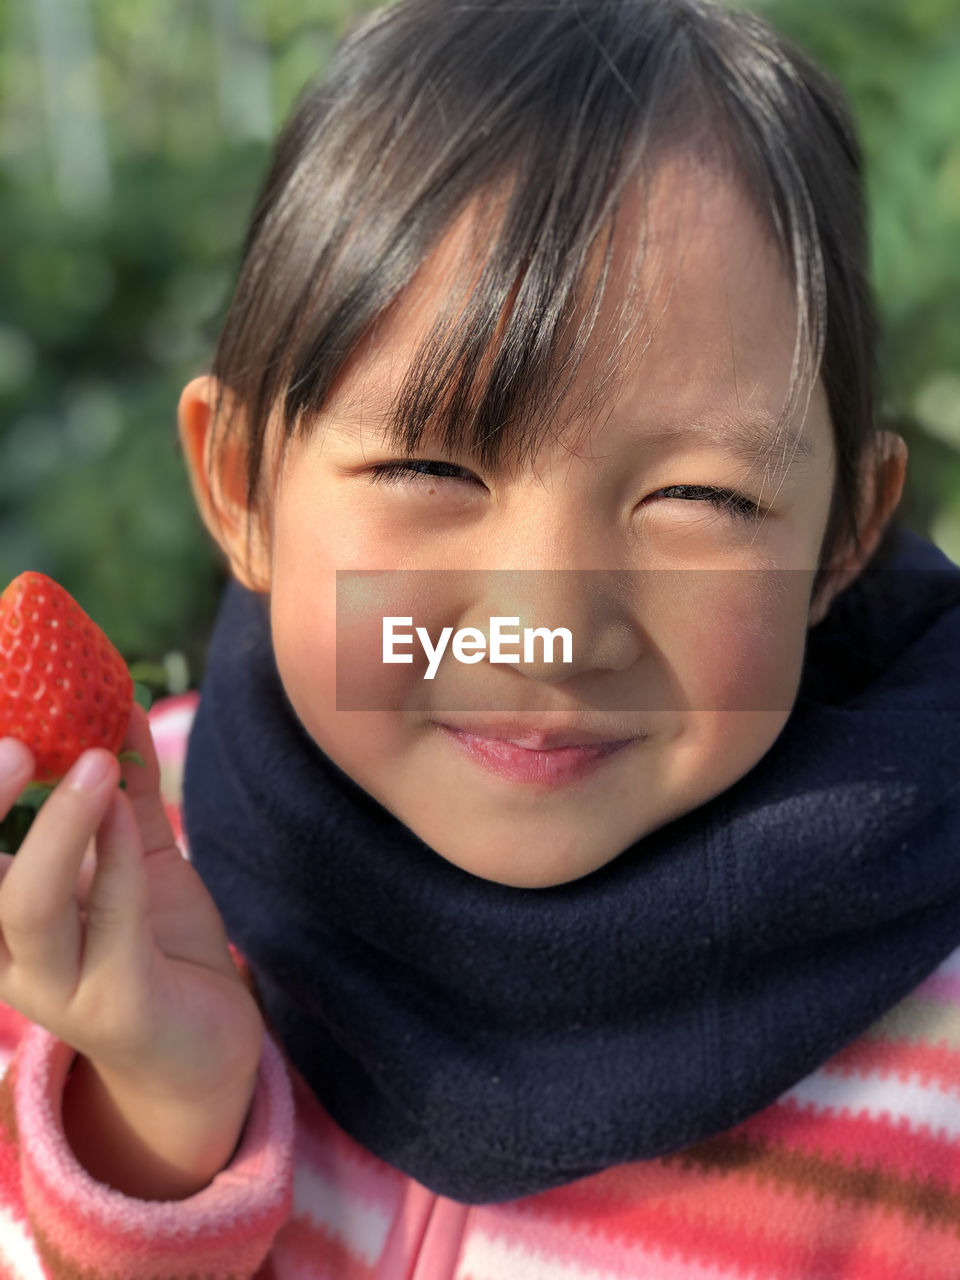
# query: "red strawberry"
[63,685]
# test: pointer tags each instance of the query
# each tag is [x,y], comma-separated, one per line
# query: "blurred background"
[133,135]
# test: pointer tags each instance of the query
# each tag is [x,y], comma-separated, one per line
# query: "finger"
[39,913]
[88,868]
[16,770]
[116,968]
[143,784]
[117,902]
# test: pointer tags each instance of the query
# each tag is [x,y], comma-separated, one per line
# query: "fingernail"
[89,771]
[12,758]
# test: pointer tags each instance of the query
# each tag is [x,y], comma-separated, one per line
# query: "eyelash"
[738,505]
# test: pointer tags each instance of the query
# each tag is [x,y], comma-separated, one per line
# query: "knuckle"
[106,915]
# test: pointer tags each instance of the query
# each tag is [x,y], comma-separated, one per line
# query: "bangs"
[538,119]
[517,310]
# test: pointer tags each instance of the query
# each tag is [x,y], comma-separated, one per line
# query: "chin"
[527,870]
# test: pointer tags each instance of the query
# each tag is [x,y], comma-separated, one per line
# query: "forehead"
[713,349]
[695,332]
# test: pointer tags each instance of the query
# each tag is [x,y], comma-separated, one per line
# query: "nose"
[589,604]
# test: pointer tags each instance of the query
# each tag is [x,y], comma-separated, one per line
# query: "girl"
[636,961]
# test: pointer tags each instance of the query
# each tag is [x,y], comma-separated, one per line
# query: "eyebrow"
[745,434]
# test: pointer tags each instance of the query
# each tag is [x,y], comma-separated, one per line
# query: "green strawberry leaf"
[33,796]
[14,827]
[142,695]
[16,824]
[136,757]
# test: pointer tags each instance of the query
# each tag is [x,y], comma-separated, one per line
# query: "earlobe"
[214,455]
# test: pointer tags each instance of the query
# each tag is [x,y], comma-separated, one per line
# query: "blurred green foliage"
[132,138]
[900,65]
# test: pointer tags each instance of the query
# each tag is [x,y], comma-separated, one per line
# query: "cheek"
[306,639]
[326,626]
[736,639]
[326,615]
[303,628]
[381,660]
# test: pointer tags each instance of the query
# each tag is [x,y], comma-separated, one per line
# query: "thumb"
[116,903]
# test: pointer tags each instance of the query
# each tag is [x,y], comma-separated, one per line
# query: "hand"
[122,953]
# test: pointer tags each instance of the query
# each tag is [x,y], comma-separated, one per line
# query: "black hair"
[552,107]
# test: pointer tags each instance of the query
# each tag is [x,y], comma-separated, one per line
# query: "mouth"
[552,765]
[532,738]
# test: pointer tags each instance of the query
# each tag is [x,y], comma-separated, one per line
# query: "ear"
[883,473]
[218,480]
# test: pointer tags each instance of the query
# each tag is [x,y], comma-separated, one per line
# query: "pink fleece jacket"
[852,1174]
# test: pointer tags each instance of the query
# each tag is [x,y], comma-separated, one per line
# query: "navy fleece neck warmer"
[493,1041]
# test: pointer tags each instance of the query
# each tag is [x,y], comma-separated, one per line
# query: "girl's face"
[688,621]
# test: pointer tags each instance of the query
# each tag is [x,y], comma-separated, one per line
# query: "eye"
[737,505]
[410,469]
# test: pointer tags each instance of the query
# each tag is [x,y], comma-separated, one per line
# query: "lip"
[554,766]
[525,734]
